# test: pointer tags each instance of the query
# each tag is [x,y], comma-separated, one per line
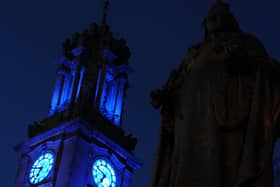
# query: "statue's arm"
[164,99]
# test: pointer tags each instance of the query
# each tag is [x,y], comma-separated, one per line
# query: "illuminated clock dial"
[41,168]
[103,174]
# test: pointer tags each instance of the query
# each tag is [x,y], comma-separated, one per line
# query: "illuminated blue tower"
[81,143]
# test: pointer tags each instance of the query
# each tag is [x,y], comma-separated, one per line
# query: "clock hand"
[40,168]
[100,171]
[103,177]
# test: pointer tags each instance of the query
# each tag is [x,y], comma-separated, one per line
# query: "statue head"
[220,19]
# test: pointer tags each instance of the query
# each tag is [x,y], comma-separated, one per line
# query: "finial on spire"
[105,12]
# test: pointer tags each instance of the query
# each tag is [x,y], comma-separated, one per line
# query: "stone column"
[56,93]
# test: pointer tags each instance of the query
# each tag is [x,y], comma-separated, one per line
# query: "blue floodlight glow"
[119,102]
[112,96]
[62,92]
[111,100]
[97,86]
[41,168]
[68,89]
[80,82]
[103,174]
[56,95]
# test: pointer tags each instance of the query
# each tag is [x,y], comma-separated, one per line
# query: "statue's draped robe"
[223,127]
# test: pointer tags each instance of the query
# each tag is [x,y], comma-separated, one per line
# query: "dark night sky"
[157,32]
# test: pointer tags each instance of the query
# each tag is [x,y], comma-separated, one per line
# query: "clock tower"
[81,143]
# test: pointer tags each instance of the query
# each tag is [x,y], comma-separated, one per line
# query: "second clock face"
[41,168]
[103,174]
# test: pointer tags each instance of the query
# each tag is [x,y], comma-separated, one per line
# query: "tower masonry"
[81,143]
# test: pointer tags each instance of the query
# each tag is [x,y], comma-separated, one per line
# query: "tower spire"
[105,12]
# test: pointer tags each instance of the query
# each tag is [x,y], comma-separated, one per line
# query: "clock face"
[41,168]
[103,174]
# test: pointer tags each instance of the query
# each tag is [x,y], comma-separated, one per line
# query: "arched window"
[62,92]
[112,96]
